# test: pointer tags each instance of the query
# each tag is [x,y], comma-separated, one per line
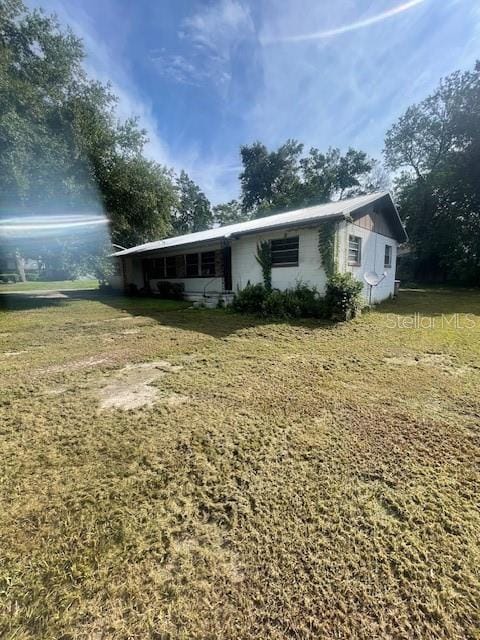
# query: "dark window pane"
[208,263]
[285,251]
[191,263]
[170,267]
[159,267]
[354,250]
[388,256]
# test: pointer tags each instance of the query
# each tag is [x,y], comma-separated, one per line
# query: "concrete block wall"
[245,267]
[373,253]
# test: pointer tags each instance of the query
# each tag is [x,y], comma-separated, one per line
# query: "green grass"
[315,481]
[48,286]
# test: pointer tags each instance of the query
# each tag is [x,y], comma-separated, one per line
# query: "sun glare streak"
[353,26]
[49,223]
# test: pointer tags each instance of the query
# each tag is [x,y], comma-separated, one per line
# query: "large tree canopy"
[61,146]
[437,145]
[285,178]
[229,213]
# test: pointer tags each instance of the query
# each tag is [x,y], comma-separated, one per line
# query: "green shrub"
[277,305]
[343,296]
[170,290]
[341,302]
[250,299]
[301,302]
[310,302]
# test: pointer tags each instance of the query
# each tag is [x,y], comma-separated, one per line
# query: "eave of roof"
[293,219]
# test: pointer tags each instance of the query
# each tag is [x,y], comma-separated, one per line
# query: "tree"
[192,211]
[269,180]
[437,143]
[427,132]
[284,179]
[229,213]
[61,146]
[331,174]
[140,196]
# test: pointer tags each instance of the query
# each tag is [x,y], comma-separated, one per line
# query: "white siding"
[245,267]
[373,252]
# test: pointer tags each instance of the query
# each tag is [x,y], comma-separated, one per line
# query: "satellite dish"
[373,279]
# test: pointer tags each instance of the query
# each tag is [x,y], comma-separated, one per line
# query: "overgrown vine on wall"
[264,259]
[327,246]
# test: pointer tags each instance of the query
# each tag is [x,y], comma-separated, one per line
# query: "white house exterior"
[214,264]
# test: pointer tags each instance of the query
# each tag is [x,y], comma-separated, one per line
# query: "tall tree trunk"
[20,266]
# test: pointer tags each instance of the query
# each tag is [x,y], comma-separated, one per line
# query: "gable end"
[380,217]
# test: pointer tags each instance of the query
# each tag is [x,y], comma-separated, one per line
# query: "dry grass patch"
[132,386]
[282,481]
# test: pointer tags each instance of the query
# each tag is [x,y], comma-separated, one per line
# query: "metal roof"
[340,208]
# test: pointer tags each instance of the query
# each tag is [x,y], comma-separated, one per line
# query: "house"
[211,265]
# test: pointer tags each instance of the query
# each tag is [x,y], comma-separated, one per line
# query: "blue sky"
[205,76]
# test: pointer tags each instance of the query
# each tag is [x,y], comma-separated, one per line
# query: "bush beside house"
[342,300]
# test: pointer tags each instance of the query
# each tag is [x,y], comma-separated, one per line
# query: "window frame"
[162,268]
[358,261]
[210,263]
[296,249]
[166,266]
[196,264]
[388,265]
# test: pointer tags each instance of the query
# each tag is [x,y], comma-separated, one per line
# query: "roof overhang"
[398,228]
[312,222]
[299,218]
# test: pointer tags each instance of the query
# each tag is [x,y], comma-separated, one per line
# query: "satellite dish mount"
[373,280]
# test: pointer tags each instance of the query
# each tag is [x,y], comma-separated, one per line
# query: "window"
[285,252]
[208,263]
[156,268]
[387,262]
[191,264]
[354,250]
[170,267]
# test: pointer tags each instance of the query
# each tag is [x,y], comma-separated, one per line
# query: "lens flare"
[46,225]
[353,26]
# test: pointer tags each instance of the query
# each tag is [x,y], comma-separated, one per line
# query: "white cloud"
[218,27]
[207,40]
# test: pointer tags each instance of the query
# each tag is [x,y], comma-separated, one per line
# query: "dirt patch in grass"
[84,363]
[132,387]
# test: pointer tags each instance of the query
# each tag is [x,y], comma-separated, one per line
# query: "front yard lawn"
[40,285]
[169,472]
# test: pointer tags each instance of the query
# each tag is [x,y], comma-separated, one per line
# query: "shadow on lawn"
[218,323]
